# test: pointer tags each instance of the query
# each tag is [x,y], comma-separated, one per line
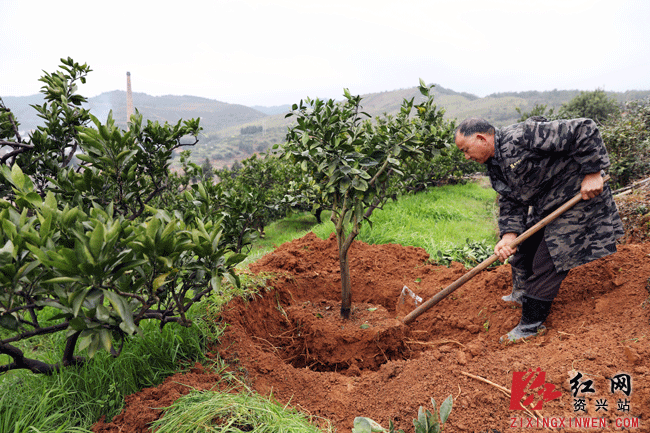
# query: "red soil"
[291,342]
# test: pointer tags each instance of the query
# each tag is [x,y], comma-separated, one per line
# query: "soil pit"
[291,342]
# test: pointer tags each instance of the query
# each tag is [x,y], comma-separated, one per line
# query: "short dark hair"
[475,125]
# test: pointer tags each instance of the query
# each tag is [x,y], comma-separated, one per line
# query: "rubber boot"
[533,314]
[519,276]
[515,296]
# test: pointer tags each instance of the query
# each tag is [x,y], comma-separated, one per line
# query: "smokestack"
[129,99]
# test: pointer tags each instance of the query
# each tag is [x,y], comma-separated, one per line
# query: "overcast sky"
[274,52]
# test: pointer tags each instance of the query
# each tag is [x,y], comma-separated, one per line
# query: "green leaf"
[121,307]
[7,253]
[44,231]
[85,158]
[88,255]
[94,345]
[62,280]
[27,268]
[96,240]
[77,324]
[78,300]
[9,322]
[50,200]
[85,338]
[366,425]
[40,255]
[152,227]
[160,280]
[9,229]
[17,176]
[359,184]
[215,282]
[102,314]
[233,279]
[344,184]
[235,259]
[445,409]
[105,338]
[361,425]
[202,192]
[32,198]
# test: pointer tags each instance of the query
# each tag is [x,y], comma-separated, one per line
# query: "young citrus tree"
[352,158]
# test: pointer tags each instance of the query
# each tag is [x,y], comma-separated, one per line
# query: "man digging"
[535,166]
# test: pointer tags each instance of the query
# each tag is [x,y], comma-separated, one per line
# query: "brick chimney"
[129,99]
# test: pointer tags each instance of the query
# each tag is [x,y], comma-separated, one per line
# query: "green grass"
[285,230]
[440,219]
[437,219]
[210,411]
[76,397]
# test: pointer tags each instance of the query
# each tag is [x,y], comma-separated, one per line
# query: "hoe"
[487,262]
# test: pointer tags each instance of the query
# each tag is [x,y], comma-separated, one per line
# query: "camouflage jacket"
[537,167]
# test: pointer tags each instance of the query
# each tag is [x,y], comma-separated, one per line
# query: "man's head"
[475,138]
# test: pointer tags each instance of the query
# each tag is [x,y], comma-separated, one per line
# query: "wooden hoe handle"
[493,258]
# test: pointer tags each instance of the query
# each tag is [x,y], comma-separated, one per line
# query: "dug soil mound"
[290,342]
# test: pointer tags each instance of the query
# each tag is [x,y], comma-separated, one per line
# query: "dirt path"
[292,343]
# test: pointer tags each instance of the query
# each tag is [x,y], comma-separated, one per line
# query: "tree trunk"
[346,285]
[317,215]
[346,289]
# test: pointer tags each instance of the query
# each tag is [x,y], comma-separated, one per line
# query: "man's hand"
[502,249]
[591,186]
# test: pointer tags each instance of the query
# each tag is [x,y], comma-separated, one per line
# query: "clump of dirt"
[291,342]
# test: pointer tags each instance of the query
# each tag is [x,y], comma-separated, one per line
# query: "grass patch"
[437,219]
[285,230]
[444,219]
[77,397]
[208,411]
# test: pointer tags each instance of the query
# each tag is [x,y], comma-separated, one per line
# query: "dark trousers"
[533,269]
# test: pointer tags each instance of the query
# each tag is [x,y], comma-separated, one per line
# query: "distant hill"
[276,109]
[224,138]
[214,115]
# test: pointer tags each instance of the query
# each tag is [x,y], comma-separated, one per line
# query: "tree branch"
[18,144]
[20,362]
[11,154]
[39,331]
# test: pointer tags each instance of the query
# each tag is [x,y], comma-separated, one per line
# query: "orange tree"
[88,246]
[353,158]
